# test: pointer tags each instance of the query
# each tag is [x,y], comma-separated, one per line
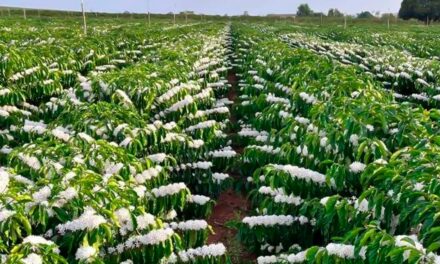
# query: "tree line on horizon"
[424,10]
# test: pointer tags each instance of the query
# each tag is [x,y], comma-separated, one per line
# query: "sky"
[219,7]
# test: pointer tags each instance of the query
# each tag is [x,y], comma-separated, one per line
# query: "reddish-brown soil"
[231,205]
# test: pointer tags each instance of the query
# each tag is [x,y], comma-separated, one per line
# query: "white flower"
[357,167]
[86,137]
[37,240]
[144,220]
[152,238]
[362,206]
[61,133]
[157,158]
[201,125]
[88,220]
[400,241]
[310,99]
[219,177]
[419,186]
[268,220]
[354,140]
[190,225]
[213,250]
[148,174]
[198,199]
[125,221]
[36,127]
[32,259]
[196,143]
[355,94]
[125,142]
[302,173]
[340,250]
[267,260]
[168,190]
[297,258]
[324,200]
[5,214]
[85,253]
[223,153]
[4,181]
[42,195]
[32,162]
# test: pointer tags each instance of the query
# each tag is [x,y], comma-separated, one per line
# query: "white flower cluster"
[189,225]
[279,196]
[32,259]
[119,128]
[85,253]
[223,102]
[125,221]
[357,167]
[5,214]
[219,177]
[88,220]
[148,174]
[203,165]
[42,195]
[61,133]
[268,220]
[168,190]
[171,136]
[258,135]
[226,152]
[34,127]
[65,196]
[124,97]
[190,255]
[4,180]
[340,250]
[302,120]
[187,100]
[197,199]
[310,99]
[37,240]
[201,125]
[145,220]
[152,238]
[86,137]
[175,90]
[195,144]
[271,98]
[302,173]
[265,148]
[112,168]
[218,110]
[157,158]
[127,140]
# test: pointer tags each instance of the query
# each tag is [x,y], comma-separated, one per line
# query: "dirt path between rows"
[231,205]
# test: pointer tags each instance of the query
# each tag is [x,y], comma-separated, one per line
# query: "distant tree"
[424,10]
[388,15]
[365,14]
[304,10]
[318,14]
[334,12]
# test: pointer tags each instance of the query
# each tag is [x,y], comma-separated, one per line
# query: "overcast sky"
[231,7]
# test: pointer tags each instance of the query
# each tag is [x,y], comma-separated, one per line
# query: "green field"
[209,139]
